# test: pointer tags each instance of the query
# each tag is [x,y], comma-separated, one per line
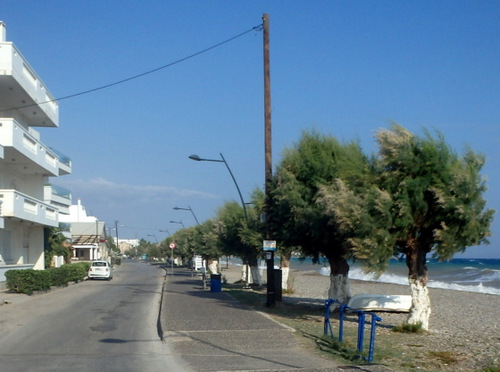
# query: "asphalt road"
[94,325]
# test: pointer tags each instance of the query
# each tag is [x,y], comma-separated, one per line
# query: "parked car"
[101,270]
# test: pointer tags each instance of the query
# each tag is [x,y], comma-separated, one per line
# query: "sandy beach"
[465,324]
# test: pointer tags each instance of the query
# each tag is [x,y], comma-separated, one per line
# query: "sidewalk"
[7,297]
[213,332]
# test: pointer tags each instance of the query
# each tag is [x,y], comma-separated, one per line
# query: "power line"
[256,28]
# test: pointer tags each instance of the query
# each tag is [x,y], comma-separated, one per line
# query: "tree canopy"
[424,198]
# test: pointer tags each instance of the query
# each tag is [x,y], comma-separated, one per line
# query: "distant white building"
[126,244]
[28,202]
[87,234]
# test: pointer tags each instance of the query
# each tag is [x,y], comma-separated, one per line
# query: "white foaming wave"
[480,288]
[358,274]
[481,276]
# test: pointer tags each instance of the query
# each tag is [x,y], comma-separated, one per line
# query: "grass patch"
[445,357]
[409,328]
[491,369]
[308,323]
[402,348]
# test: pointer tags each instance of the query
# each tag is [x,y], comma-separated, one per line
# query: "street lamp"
[154,236]
[179,222]
[197,158]
[187,209]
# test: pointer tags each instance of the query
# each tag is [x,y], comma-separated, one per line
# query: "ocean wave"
[476,276]
[359,274]
[480,288]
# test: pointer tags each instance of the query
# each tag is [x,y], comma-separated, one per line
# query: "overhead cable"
[256,28]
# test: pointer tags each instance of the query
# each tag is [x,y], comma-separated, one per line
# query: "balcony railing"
[13,136]
[64,162]
[18,205]
[26,91]
[58,197]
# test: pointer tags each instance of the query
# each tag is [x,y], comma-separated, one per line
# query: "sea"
[461,274]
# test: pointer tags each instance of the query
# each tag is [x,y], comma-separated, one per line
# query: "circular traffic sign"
[171,245]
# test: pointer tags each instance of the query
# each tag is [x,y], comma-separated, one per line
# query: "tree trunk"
[420,310]
[213,266]
[254,268]
[285,270]
[246,275]
[256,277]
[340,289]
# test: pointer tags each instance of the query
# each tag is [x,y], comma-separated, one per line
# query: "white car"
[100,269]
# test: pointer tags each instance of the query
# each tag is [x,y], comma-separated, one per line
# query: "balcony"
[64,162]
[23,149]
[21,206]
[22,90]
[58,197]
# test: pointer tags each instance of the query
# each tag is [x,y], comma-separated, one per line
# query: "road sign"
[171,245]
[269,245]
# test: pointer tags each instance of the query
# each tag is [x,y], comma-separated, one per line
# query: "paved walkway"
[214,332]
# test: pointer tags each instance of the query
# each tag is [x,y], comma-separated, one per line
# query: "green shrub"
[28,281]
[58,276]
[76,272]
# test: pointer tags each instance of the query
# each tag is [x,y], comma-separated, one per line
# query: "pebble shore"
[466,324]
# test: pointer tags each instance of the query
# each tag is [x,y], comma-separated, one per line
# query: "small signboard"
[269,245]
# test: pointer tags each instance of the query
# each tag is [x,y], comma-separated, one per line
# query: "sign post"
[172,247]
[269,247]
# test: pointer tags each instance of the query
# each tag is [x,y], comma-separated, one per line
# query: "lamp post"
[187,209]
[154,236]
[179,222]
[157,244]
[197,158]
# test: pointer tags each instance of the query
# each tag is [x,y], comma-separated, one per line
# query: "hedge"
[29,280]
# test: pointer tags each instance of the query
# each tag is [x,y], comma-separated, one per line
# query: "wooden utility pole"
[116,231]
[267,107]
[271,295]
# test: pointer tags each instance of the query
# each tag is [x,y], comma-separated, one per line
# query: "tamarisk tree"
[240,236]
[298,221]
[426,200]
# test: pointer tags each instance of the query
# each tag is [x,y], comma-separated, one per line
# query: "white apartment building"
[28,202]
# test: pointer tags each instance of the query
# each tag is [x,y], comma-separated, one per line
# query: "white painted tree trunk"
[257,278]
[420,310]
[245,270]
[285,272]
[213,266]
[340,288]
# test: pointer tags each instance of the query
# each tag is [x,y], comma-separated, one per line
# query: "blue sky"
[344,68]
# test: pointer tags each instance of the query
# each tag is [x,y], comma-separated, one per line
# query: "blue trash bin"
[215,283]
